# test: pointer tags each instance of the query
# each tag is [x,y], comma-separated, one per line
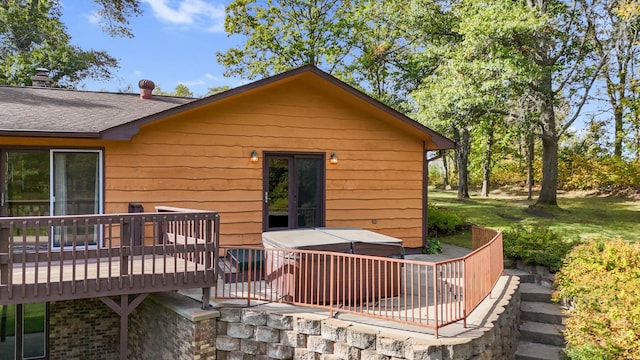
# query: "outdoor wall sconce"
[333,158]
[254,156]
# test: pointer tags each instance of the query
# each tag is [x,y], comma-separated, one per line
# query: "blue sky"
[175,43]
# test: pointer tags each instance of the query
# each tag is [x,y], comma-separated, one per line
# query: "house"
[299,149]
[259,154]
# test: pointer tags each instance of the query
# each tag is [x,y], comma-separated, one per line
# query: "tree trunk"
[486,173]
[445,180]
[462,138]
[548,192]
[530,150]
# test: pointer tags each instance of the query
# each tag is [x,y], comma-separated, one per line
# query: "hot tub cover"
[355,240]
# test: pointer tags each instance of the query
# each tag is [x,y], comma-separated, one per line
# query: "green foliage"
[33,36]
[115,14]
[180,90]
[536,245]
[602,282]
[217,89]
[433,247]
[283,34]
[381,47]
[581,172]
[443,222]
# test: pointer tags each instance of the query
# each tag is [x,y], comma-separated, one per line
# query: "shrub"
[433,247]
[581,172]
[443,222]
[602,282]
[536,246]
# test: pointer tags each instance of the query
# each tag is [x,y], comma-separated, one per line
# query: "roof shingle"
[48,110]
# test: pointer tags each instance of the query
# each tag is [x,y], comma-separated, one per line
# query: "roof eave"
[49,134]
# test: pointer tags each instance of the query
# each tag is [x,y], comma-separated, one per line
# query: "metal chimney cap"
[41,78]
[146,84]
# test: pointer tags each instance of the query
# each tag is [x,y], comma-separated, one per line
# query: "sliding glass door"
[41,182]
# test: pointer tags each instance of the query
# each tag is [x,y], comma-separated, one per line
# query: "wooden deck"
[39,273]
[33,271]
[32,282]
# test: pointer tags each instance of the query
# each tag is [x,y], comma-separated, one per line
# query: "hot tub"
[306,277]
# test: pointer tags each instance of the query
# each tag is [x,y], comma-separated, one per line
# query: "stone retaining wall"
[259,333]
[172,326]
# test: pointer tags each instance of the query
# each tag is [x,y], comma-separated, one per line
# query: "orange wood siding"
[200,159]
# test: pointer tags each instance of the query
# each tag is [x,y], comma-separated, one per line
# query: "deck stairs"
[541,323]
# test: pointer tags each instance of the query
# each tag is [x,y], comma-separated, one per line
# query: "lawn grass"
[580,214]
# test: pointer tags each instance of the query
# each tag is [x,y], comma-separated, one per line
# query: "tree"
[115,14]
[217,89]
[32,36]
[180,90]
[561,52]
[284,34]
[398,46]
[616,41]
[369,44]
[474,82]
[541,49]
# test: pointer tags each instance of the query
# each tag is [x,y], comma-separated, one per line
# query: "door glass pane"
[308,191]
[278,193]
[76,187]
[26,183]
[7,331]
[34,336]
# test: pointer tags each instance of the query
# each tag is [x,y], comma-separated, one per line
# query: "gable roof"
[32,111]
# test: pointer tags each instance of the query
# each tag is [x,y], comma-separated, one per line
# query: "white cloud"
[93,17]
[192,82]
[137,72]
[211,77]
[196,13]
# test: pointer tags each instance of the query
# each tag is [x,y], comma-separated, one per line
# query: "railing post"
[435,299]
[125,240]
[249,278]
[5,256]
[465,285]
[332,284]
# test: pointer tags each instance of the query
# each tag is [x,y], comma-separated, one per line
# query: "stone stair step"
[534,351]
[533,292]
[525,277]
[541,312]
[535,332]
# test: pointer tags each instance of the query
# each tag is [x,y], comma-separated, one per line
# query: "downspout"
[425,193]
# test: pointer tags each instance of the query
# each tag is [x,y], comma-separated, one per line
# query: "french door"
[293,191]
[42,182]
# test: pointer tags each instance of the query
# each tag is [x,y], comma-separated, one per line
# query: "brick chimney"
[146,88]
[41,78]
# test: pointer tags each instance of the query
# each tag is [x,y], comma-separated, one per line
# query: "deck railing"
[49,258]
[428,294]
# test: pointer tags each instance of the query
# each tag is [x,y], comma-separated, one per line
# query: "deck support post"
[124,309]
[206,297]
[5,257]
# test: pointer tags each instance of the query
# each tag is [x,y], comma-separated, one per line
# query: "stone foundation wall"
[172,326]
[83,329]
[264,333]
